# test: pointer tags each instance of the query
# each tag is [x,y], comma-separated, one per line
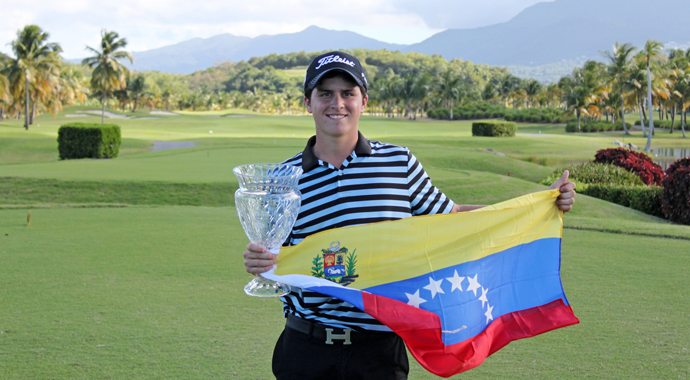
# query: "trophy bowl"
[267,203]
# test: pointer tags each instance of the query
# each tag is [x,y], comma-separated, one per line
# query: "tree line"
[641,80]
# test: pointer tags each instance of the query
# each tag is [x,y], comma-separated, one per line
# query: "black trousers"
[298,356]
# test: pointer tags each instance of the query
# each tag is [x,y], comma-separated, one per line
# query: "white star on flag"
[489,317]
[483,296]
[456,281]
[434,287]
[474,284]
[414,299]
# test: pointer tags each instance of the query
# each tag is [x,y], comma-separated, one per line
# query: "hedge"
[636,162]
[489,111]
[494,128]
[662,123]
[676,199]
[591,173]
[642,198]
[82,140]
[596,126]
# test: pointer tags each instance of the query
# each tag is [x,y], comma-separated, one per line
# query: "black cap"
[335,60]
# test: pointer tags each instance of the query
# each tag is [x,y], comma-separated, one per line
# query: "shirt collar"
[310,161]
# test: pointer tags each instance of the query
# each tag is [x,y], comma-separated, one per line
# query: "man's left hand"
[567,198]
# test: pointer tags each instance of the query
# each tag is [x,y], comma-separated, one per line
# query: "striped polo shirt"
[377,182]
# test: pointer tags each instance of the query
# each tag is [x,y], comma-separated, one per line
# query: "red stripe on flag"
[421,331]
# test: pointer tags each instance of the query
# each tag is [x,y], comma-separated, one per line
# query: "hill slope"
[564,30]
[200,53]
[543,34]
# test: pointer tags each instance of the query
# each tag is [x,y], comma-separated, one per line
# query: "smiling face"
[336,105]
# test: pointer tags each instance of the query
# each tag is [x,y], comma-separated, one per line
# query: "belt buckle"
[345,337]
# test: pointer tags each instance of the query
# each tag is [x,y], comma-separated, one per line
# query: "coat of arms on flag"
[455,287]
[335,264]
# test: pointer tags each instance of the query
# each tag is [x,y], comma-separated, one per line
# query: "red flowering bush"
[675,200]
[638,163]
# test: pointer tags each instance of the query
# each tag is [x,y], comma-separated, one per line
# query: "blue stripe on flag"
[518,278]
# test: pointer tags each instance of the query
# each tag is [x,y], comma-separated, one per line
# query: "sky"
[149,24]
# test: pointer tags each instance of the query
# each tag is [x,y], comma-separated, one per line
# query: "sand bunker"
[107,114]
[164,145]
[238,115]
[164,113]
[79,115]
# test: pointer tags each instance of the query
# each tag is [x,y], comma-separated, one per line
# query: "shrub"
[595,126]
[662,123]
[592,173]
[489,111]
[646,199]
[494,128]
[675,201]
[441,113]
[81,140]
[638,163]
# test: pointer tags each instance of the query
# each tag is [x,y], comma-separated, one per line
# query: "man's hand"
[258,260]
[567,198]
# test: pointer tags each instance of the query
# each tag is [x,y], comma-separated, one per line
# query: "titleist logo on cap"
[334,58]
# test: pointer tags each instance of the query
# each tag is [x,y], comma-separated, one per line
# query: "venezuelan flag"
[455,287]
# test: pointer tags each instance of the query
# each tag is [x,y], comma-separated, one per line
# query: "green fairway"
[142,293]
[132,269]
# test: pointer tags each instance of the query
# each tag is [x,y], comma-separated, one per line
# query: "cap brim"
[316,79]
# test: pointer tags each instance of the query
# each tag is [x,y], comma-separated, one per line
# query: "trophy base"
[261,287]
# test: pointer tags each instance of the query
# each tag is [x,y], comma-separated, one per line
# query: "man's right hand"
[258,260]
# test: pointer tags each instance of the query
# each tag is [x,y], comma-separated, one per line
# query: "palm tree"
[532,90]
[421,92]
[582,91]
[619,73]
[167,98]
[448,89]
[652,51]
[636,82]
[72,86]
[508,85]
[136,90]
[4,86]
[407,87]
[682,89]
[108,74]
[35,61]
[676,69]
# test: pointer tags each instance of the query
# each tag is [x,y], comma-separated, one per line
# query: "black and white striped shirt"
[377,182]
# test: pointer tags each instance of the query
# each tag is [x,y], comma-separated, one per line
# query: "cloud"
[155,23]
[465,14]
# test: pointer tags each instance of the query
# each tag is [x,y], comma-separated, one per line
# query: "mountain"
[548,37]
[188,56]
[200,53]
[564,30]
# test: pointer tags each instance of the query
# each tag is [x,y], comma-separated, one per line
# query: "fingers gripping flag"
[455,287]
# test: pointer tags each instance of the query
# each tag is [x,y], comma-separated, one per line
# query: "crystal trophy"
[267,203]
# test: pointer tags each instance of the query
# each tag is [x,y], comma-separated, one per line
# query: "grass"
[42,193]
[145,292]
[131,267]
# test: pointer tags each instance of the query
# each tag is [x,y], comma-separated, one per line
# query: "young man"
[349,180]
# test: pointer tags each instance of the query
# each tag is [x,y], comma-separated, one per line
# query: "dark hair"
[336,74]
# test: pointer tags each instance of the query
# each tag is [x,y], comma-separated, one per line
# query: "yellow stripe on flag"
[397,250]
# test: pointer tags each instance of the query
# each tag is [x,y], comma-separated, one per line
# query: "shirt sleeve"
[425,198]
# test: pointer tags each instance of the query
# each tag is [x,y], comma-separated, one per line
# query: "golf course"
[132,268]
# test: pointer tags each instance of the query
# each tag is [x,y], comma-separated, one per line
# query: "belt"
[332,335]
